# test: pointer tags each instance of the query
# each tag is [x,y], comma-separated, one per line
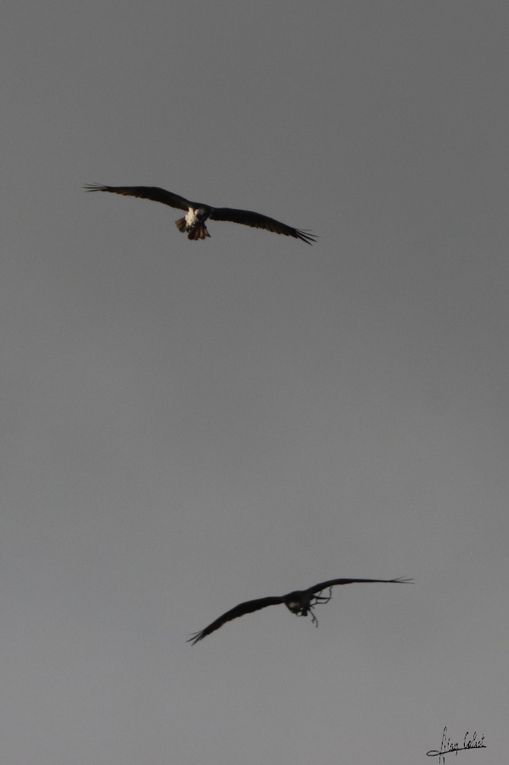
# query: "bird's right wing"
[257,220]
[243,608]
[145,192]
[333,582]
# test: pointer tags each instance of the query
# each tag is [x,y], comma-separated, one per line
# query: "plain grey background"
[189,425]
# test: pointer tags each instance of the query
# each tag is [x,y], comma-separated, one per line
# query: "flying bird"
[193,223]
[299,602]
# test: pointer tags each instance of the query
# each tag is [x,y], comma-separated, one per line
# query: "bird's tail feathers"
[198,232]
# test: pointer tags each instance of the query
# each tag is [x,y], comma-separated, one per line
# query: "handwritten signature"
[447,745]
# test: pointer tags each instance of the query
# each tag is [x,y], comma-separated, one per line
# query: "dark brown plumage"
[193,223]
[299,602]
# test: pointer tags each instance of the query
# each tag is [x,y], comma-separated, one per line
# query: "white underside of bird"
[192,217]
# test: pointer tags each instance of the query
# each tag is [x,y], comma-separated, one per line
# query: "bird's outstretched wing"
[256,220]
[333,582]
[243,608]
[145,192]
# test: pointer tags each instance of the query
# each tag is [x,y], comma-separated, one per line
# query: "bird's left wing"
[144,192]
[243,608]
[333,582]
[256,220]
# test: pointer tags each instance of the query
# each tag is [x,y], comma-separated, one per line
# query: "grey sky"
[188,425]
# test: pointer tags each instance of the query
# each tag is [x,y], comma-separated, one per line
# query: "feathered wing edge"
[243,608]
[154,193]
[256,220]
[333,582]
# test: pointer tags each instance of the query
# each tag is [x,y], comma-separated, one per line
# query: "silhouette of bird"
[299,602]
[193,223]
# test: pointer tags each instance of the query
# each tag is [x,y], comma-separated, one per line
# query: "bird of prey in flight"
[299,602]
[193,223]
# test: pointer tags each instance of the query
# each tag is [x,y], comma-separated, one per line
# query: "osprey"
[193,223]
[299,602]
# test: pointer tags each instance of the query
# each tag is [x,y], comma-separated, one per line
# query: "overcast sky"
[187,425]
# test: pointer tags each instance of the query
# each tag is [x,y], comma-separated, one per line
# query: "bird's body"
[299,602]
[193,222]
[197,213]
